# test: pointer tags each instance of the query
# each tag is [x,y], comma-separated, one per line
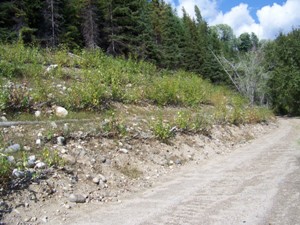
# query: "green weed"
[162,130]
[51,158]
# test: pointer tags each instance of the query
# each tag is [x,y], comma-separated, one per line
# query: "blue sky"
[254,5]
[266,18]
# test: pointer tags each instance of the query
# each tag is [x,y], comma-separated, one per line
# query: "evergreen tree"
[7,9]
[122,25]
[71,35]
[283,61]
[172,32]
[245,43]
[148,49]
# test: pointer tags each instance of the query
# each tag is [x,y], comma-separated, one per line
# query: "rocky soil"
[98,167]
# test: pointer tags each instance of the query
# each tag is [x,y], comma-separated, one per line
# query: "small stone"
[178,162]
[27,219]
[32,158]
[123,150]
[171,162]
[30,164]
[103,160]
[31,161]
[67,206]
[45,219]
[61,141]
[18,173]
[40,135]
[40,165]
[103,178]
[38,142]
[96,180]
[27,148]
[77,198]
[60,111]
[3,119]
[51,67]
[33,219]
[11,159]
[13,148]
[37,113]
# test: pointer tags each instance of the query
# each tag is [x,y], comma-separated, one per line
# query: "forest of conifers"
[266,72]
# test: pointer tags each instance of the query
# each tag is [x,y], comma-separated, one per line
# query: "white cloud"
[208,7]
[276,18]
[271,19]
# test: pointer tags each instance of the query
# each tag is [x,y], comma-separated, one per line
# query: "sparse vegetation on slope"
[90,84]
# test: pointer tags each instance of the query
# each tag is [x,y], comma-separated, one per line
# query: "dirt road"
[256,184]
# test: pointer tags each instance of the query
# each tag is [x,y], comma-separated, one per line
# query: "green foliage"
[51,157]
[5,169]
[283,60]
[179,89]
[93,80]
[162,130]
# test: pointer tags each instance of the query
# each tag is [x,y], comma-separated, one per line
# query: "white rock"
[32,158]
[13,148]
[60,111]
[26,148]
[51,67]
[3,119]
[37,113]
[61,140]
[103,178]
[18,173]
[11,159]
[38,142]
[96,180]
[33,219]
[40,165]
[31,161]
[123,150]
[77,198]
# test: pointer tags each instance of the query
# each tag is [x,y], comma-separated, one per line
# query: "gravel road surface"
[256,184]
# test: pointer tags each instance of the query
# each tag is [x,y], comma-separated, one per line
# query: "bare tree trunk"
[112,46]
[90,28]
[52,24]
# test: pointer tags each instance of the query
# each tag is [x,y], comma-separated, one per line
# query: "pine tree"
[172,33]
[7,33]
[122,25]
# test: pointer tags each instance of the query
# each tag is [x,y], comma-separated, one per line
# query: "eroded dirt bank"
[258,183]
[148,178]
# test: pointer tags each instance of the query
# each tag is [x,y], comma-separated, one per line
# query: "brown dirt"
[148,162]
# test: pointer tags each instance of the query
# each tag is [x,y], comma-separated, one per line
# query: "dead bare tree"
[248,75]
